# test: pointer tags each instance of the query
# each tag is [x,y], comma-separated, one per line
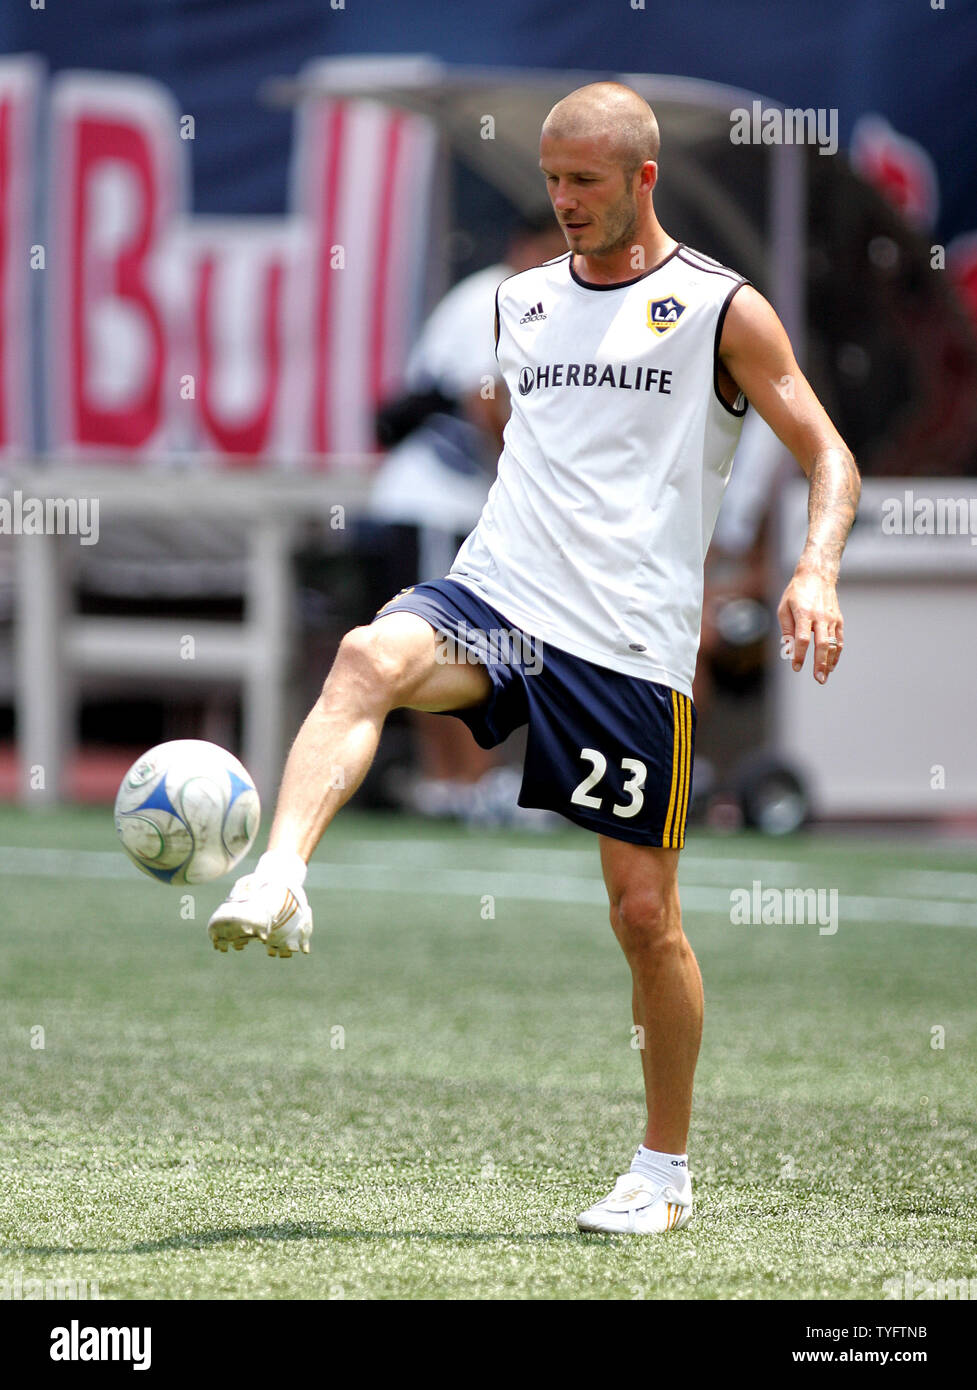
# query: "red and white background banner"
[20,88]
[363,176]
[132,330]
[262,342]
[117,177]
[242,338]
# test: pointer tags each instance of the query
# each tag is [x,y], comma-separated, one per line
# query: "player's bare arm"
[756,357]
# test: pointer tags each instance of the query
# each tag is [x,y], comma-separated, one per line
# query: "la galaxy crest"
[664,314]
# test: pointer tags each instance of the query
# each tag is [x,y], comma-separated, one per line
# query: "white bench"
[54,644]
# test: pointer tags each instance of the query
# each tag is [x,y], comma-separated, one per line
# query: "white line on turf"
[921,883]
[530,887]
[547,860]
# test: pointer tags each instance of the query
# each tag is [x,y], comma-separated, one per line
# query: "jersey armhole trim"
[735,409]
[498,318]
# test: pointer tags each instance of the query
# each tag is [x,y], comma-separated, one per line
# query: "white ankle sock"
[282,866]
[673,1168]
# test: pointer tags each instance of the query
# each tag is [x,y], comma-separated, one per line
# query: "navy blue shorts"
[611,752]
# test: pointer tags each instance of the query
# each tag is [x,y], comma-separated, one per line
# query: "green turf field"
[420,1108]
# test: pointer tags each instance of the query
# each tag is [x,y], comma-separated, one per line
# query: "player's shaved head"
[611,113]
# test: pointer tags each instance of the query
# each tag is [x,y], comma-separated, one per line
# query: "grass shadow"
[312,1230]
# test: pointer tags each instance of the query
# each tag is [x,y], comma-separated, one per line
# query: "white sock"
[282,866]
[673,1168]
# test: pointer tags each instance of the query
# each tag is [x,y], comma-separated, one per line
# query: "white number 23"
[633,787]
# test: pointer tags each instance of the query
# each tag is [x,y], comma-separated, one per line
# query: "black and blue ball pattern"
[187,812]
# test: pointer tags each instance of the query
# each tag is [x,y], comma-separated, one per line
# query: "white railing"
[55,645]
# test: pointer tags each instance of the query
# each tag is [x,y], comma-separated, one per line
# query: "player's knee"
[644,922]
[371,663]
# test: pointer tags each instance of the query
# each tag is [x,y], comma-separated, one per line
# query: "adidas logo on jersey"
[534,314]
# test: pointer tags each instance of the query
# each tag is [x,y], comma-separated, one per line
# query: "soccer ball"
[187,812]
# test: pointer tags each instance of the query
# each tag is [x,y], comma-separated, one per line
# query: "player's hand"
[809,610]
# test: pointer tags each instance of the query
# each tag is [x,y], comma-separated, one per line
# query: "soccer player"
[630,361]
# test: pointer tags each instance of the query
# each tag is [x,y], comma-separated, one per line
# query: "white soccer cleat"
[639,1206]
[274,913]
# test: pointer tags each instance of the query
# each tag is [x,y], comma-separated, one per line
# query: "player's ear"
[649,175]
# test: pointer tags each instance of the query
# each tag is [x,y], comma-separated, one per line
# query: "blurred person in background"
[445,436]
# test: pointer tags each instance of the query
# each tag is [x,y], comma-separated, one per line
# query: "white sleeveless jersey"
[615,459]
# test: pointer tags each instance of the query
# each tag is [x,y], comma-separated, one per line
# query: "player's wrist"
[819,564]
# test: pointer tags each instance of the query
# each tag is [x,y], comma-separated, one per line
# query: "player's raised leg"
[642,886]
[390,664]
